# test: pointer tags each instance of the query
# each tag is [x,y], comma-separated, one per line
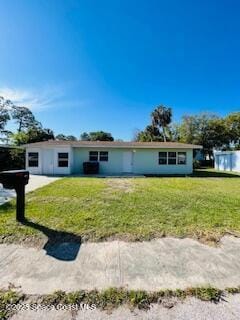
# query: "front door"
[128,161]
[48,161]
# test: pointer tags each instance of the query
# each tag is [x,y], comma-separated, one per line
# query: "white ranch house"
[115,158]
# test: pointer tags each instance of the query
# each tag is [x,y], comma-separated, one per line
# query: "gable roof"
[114,144]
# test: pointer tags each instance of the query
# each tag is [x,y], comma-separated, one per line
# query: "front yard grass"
[96,209]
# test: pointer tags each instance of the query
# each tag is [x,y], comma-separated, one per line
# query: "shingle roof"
[115,144]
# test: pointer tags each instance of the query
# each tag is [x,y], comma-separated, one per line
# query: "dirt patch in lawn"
[120,184]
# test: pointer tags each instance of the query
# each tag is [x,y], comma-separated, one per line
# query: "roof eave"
[133,146]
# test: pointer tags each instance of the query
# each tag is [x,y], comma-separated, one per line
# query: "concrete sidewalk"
[159,264]
[190,309]
[35,182]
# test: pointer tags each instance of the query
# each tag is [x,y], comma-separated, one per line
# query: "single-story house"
[227,160]
[115,157]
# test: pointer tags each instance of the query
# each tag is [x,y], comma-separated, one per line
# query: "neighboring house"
[227,160]
[67,157]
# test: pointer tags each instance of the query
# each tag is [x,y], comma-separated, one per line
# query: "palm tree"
[153,132]
[161,118]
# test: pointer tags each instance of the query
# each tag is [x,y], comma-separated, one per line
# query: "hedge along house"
[115,158]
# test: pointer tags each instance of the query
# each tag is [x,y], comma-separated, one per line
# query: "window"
[63,159]
[172,157]
[103,156]
[182,157]
[93,155]
[98,155]
[33,159]
[162,158]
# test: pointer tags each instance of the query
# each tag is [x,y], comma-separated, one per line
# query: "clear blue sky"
[103,65]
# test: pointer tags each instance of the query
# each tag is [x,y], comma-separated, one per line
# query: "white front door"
[128,161]
[48,161]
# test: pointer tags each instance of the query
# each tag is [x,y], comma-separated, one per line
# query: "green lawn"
[202,207]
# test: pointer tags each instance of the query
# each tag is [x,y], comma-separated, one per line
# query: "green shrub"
[196,164]
[12,158]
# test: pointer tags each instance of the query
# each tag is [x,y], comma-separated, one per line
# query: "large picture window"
[33,159]
[98,155]
[63,159]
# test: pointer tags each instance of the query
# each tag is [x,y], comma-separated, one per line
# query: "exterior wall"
[227,161]
[112,166]
[49,164]
[34,170]
[145,161]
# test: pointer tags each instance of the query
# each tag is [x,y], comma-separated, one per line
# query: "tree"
[66,138]
[29,129]
[84,136]
[96,136]
[12,158]
[189,131]
[24,118]
[71,138]
[161,118]
[216,136]
[35,134]
[142,136]
[154,133]
[20,138]
[149,134]
[6,136]
[4,113]
[233,127]
[61,137]
[204,129]
[174,132]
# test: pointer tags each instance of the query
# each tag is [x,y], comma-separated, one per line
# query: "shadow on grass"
[198,174]
[60,245]
[7,206]
[214,174]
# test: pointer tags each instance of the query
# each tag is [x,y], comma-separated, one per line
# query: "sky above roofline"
[104,65]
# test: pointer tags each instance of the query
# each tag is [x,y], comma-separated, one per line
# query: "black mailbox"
[16,179]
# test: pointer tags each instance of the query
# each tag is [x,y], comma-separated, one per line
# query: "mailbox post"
[16,179]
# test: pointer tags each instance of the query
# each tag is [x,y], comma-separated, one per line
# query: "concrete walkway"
[159,264]
[190,309]
[35,182]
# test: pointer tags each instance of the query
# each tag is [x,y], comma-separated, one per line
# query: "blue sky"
[104,65]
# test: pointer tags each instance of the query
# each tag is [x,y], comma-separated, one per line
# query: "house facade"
[114,158]
[227,160]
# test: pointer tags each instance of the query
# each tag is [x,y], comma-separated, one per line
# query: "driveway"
[35,182]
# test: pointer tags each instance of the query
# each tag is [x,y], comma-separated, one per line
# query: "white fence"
[227,160]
